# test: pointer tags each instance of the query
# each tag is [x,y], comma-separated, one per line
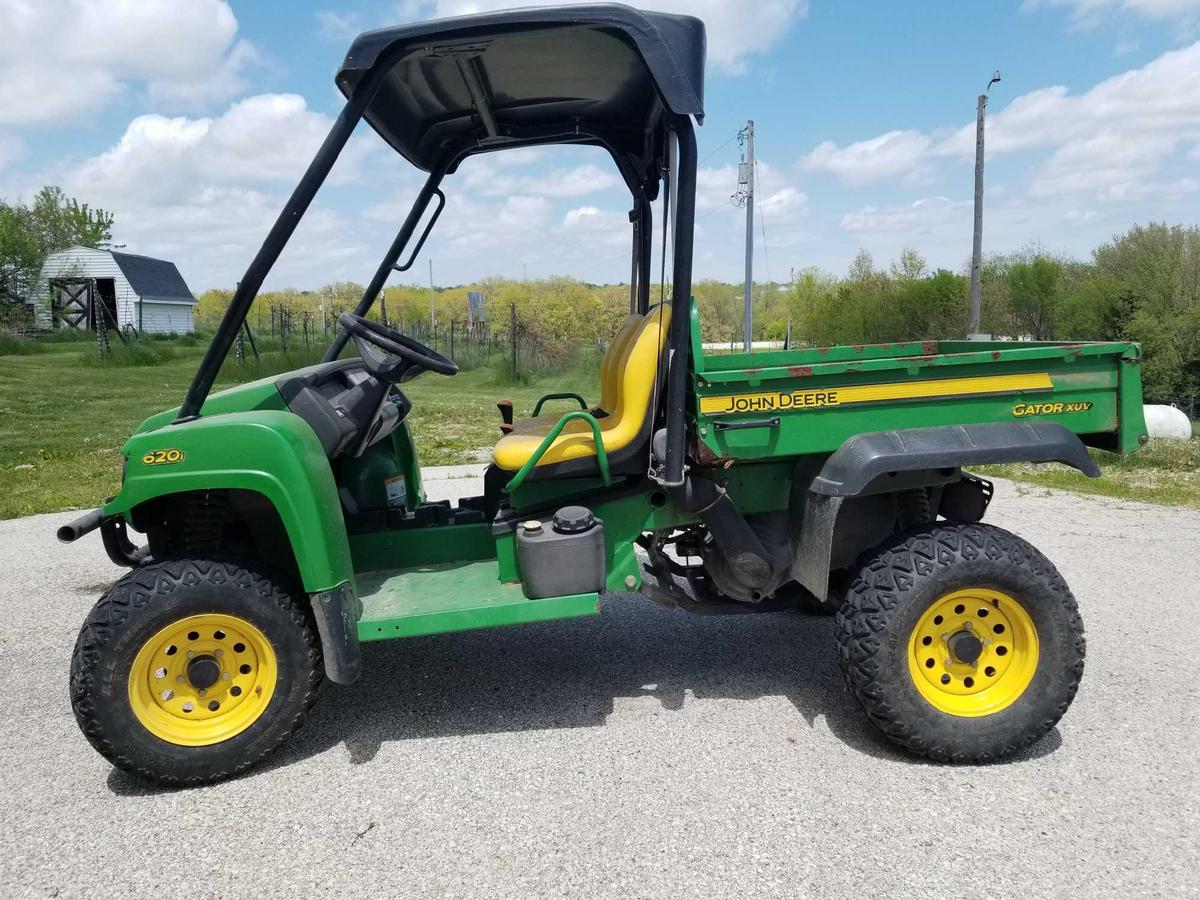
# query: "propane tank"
[1170,423]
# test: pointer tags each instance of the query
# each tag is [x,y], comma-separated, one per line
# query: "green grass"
[12,345]
[1166,472]
[63,420]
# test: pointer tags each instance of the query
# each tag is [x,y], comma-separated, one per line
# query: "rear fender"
[876,463]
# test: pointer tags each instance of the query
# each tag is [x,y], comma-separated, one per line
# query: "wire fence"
[510,346]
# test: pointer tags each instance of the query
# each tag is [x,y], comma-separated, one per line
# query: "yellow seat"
[633,376]
[610,365]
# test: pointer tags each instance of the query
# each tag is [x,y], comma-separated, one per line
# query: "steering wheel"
[391,355]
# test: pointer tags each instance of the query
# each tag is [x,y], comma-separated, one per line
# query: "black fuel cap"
[573,520]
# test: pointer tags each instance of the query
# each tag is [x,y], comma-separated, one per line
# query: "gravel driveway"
[639,753]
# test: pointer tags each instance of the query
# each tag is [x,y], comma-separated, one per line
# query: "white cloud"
[162,160]
[1089,14]
[338,26]
[736,30]
[1110,163]
[493,175]
[205,191]
[782,205]
[62,60]
[776,198]
[1121,129]
[12,149]
[524,212]
[890,155]
[918,217]
[1161,99]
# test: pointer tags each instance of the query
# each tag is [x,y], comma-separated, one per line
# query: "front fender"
[274,453]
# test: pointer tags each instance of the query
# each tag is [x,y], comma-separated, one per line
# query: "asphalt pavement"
[640,753]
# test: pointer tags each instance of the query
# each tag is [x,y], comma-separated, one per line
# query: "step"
[460,596]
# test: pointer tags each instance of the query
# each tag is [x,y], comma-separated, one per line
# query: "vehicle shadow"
[571,674]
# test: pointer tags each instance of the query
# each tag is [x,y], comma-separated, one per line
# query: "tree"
[29,233]
[910,266]
[1035,292]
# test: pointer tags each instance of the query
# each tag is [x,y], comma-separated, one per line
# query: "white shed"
[80,283]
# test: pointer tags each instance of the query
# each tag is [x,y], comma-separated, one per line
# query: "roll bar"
[318,170]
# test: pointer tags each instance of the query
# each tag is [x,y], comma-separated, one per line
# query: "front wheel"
[189,671]
[961,642]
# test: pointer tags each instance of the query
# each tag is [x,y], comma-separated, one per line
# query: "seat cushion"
[624,423]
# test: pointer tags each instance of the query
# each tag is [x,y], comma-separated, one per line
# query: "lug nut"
[219,652]
[160,673]
[168,694]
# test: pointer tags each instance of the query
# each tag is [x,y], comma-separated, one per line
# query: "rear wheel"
[189,671]
[961,642]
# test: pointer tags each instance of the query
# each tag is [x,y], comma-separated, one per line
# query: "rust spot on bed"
[800,371]
[929,348]
[995,354]
[824,351]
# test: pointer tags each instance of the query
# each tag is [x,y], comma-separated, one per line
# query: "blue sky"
[192,119]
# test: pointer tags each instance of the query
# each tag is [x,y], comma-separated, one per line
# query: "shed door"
[71,302]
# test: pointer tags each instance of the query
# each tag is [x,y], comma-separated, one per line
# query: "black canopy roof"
[602,74]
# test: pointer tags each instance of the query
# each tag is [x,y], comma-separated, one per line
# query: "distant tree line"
[1143,285]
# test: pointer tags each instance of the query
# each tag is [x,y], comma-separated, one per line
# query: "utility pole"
[977,239]
[746,194]
[432,315]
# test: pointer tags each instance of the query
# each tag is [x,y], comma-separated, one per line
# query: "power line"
[732,138]
[762,223]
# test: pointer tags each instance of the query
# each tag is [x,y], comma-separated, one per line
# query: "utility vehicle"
[285,524]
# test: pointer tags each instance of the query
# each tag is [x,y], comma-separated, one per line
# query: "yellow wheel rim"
[203,679]
[973,652]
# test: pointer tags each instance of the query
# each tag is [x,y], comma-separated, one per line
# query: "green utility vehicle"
[285,524]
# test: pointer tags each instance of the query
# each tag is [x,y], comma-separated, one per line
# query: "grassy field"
[1161,472]
[64,417]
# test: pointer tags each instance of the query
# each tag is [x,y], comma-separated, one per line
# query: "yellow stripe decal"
[873,393]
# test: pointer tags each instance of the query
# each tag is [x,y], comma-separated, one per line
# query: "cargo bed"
[785,402]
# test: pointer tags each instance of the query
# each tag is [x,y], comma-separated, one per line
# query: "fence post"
[452,339]
[512,337]
[103,350]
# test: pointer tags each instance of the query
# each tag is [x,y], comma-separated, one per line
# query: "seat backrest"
[636,379]
[614,361]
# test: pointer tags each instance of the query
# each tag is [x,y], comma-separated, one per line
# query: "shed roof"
[153,279]
[610,68]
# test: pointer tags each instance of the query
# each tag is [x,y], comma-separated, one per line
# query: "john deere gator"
[273,529]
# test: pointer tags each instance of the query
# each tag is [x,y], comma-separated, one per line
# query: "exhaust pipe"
[73,531]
